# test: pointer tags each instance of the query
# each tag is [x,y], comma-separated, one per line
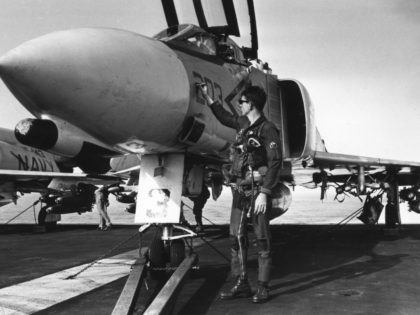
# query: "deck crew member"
[199,203]
[102,202]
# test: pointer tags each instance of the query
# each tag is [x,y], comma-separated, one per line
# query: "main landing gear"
[49,221]
[392,208]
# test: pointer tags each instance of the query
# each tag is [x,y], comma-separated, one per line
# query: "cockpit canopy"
[217,17]
[193,38]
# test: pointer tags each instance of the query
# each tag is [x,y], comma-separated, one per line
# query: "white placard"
[160,189]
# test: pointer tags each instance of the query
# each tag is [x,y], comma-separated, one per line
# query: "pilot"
[256,164]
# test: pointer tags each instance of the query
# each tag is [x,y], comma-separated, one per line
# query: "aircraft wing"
[335,160]
[29,175]
[354,174]
[57,177]
[12,181]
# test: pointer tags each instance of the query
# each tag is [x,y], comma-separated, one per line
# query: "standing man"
[101,197]
[256,156]
[199,203]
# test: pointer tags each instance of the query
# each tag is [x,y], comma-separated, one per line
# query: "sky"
[358,59]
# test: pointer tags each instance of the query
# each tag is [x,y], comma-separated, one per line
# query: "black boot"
[199,228]
[261,296]
[240,289]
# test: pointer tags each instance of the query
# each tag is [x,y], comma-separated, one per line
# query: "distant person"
[256,165]
[199,203]
[102,202]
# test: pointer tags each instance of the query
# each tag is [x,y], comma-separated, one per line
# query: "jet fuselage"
[138,94]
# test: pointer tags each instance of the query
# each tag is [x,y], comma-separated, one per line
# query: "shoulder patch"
[273,145]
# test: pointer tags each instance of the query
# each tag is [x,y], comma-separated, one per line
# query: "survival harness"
[248,159]
[247,171]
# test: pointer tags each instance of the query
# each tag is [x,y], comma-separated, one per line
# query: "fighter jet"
[106,92]
[25,169]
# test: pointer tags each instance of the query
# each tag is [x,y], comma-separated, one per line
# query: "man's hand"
[204,91]
[203,87]
[260,204]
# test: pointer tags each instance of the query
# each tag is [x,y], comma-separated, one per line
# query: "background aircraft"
[117,91]
[25,169]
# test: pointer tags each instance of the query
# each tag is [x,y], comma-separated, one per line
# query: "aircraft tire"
[157,257]
[41,219]
[177,252]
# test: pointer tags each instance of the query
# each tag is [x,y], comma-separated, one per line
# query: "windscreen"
[228,17]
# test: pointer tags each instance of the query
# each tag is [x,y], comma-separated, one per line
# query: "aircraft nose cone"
[11,69]
[99,77]
[5,62]
[35,67]
[42,71]
[24,59]
[8,61]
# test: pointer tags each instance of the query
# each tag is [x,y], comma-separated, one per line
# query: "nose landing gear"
[167,249]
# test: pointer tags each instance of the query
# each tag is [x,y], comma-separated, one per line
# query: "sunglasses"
[243,101]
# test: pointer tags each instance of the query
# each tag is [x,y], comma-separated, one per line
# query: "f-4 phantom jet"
[109,92]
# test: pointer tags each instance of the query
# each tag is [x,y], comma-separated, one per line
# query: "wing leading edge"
[335,160]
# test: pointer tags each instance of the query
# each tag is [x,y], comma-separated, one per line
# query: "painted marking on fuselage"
[215,91]
[38,294]
[32,163]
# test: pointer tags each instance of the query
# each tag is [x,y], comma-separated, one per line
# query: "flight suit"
[266,157]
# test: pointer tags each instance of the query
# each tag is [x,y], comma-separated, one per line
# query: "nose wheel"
[156,254]
[161,254]
[166,251]
[176,253]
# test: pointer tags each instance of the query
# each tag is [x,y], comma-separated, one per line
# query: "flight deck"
[320,269]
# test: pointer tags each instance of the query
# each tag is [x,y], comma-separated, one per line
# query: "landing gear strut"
[160,191]
[165,249]
[392,209]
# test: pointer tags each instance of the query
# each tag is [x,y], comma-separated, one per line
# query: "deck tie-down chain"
[73,276]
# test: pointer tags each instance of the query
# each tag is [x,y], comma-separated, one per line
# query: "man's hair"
[256,95]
